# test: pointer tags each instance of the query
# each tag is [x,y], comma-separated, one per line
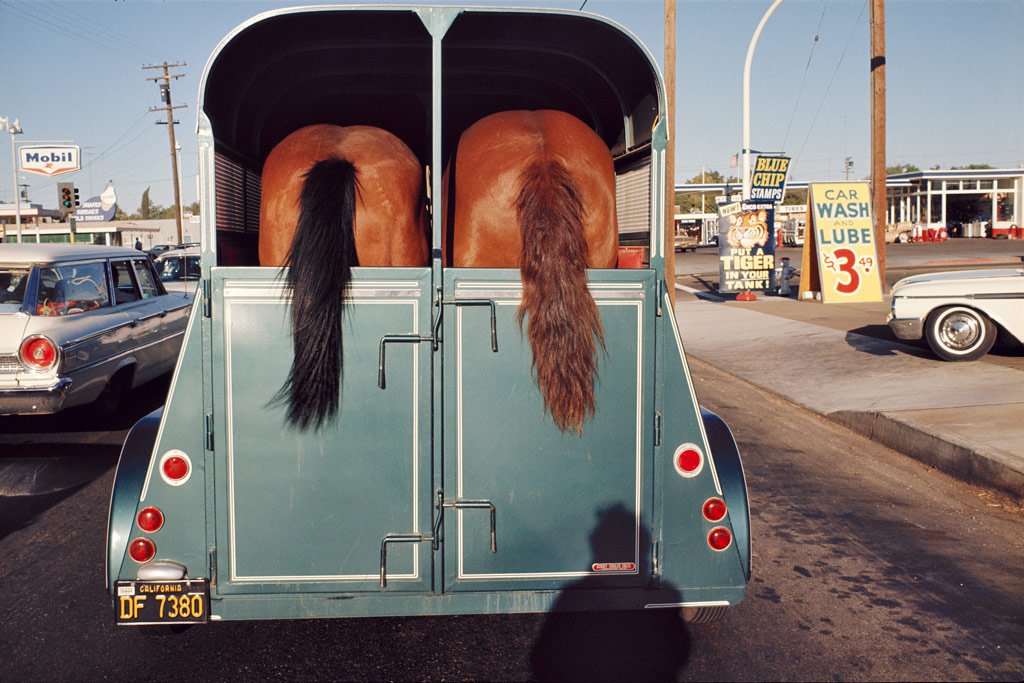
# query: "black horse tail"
[319,271]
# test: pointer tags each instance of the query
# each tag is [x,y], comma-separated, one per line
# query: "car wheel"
[703,615]
[959,333]
[109,401]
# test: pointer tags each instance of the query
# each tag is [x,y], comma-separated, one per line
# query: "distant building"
[969,203]
[43,225]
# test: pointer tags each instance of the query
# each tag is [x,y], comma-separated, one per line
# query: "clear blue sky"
[73,70]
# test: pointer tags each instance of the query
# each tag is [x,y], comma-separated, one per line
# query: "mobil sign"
[50,160]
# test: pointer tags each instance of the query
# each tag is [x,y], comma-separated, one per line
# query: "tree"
[902,168]
[691,203]
[146,207]
[971,167]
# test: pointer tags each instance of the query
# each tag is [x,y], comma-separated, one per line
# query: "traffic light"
[77,203]
[66,197]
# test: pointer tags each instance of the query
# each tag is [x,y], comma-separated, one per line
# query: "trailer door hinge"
[209,431]
[661,285]
[206,298]
[657,429]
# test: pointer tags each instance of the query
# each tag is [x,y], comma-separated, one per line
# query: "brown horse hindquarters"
[536,190]
[333,198]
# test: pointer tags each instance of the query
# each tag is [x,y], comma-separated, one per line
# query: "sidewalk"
[966,419]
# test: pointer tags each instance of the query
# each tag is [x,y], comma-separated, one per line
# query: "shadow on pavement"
[634,645]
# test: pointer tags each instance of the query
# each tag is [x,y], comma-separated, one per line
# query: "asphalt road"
[867,566]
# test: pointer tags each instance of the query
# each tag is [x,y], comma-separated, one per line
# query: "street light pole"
[746,99]
[14,129]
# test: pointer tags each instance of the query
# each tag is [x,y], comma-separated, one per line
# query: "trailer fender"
[124,497]
[731,478]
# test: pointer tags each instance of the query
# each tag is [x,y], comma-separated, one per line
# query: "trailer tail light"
[719,538]
[150,519]
[688,460]
[142,550]
[38,353]
[714,509]
[175,467]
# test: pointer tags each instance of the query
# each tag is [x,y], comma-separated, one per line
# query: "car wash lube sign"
[768,183]
[50,160]
[844,238]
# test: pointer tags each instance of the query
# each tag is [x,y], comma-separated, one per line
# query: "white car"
[179,269]
[959,313]
[82,324]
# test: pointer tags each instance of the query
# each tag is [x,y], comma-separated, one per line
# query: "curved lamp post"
[746,99]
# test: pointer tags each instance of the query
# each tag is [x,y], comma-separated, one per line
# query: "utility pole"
[670,152]
[847,167]
[878,190]
[165,97]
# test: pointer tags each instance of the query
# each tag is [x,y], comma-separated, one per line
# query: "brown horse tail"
[563,318]
[322,253]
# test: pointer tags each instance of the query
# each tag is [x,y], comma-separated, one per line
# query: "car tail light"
[688,460]
[714,509]
[175,467]
[719,538]
[38,353]
[150,519]
[142,550]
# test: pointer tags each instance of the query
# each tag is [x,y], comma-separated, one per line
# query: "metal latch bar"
[478,505]
[395,538]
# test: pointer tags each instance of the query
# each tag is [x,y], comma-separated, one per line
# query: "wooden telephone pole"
[165,96]
[878,190]
[670,151]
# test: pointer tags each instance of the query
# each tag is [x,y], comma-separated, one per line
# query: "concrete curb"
[967,462]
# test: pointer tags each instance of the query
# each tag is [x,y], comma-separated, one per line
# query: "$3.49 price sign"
[849,267]
[843,236]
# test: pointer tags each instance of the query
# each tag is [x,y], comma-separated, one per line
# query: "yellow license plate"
[162,602]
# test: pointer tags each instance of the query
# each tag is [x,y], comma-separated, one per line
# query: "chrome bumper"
[907,328]
[34,400]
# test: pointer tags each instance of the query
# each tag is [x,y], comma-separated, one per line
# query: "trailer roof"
[374,66]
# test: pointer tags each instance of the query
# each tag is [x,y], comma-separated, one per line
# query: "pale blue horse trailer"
[441,488]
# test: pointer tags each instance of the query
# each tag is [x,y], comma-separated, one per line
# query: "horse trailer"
[441,486]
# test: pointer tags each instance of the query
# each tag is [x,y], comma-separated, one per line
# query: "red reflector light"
[38,353]
[142,550]
[150,519]
[719,538]
[175,468]
[688,460]
[714,509]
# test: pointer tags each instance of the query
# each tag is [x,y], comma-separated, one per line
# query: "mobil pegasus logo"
[50,160]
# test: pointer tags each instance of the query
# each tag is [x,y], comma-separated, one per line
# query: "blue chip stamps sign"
[50,160]
[768,184]
[844,237]
[746,247]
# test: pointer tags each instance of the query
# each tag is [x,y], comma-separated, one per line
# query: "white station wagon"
[960,313]
[82,324]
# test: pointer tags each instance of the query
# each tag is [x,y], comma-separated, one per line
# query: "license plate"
[163,602]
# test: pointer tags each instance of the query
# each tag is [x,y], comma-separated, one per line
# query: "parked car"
[179,269]
[82,324]
[960,313]
[158,249]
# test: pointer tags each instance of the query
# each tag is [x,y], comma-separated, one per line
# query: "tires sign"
[844,237]
[50,160]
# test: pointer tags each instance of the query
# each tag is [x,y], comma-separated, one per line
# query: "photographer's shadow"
[634,645]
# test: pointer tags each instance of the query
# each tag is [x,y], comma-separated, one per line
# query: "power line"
[803,79]
[831,81]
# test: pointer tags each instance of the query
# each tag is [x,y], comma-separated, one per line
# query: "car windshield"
[12,288]
[71,289]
